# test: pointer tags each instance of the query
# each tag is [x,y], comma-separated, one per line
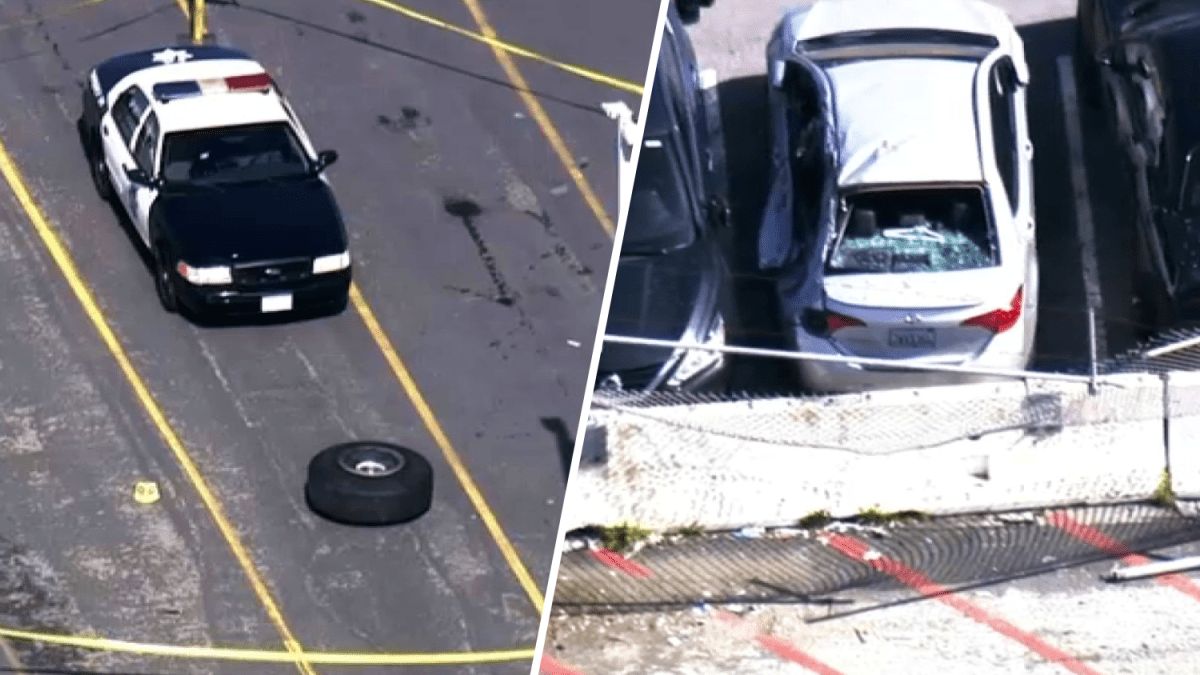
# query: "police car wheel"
[100,178]
[369,483]
[163,284]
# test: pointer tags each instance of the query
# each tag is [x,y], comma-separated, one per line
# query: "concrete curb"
[982,447]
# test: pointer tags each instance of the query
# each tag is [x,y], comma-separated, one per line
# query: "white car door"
[145,156]
[118,130]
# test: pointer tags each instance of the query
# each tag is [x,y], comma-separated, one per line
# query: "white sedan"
[900,219]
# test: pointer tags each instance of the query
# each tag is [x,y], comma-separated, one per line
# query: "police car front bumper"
[323,291]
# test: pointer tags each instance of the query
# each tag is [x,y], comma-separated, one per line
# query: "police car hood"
[253,221]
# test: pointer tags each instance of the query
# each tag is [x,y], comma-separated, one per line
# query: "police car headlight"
[205,276]
[697,362]
[331,263]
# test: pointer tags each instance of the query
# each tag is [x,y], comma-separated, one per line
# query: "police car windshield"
[229,155]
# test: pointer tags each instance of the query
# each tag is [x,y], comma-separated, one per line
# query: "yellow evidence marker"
[145,492]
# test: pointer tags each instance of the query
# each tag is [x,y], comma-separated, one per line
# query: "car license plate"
[912,338]
[277,303]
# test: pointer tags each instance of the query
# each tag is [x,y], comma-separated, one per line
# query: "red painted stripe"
[789,652]
[777,646]
[621,563]
[551,667]
[858,550]
[1095,538]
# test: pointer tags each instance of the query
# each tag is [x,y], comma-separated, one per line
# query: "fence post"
[197,16]
[1092,357]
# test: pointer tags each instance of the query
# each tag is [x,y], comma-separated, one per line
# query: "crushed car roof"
[906,121]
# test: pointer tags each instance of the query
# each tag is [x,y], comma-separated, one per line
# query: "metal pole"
[1153,569]
[861,361]
[197,16]
[1092,358]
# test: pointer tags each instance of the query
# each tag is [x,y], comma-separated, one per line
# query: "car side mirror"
[325,159]
[138,176]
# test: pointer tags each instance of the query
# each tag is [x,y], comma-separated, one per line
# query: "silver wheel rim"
[371,461]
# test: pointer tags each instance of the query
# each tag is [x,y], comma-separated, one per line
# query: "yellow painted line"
[269,656]
[11,656]
[543,121]
[66,265]
[495,42]
[452,457]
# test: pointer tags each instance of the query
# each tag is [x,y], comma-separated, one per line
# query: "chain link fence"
[1040,435]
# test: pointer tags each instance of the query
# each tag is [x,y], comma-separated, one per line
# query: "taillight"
[821,322]
[1000,320]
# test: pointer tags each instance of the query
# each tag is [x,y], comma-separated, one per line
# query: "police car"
[202,151]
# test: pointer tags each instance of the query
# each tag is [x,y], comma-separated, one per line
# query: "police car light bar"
[169,91]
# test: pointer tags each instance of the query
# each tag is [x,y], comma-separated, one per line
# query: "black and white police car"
[203,152]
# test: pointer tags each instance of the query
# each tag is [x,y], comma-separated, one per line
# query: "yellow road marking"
[443,442]
[269,656]
[497,43]
[11,656]
[66,265]
[543,121]
[184,7]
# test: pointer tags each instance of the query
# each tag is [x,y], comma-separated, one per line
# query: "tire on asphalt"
[369,483]
[162,281]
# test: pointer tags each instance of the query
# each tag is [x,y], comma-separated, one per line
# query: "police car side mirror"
[138,176]
[325,158]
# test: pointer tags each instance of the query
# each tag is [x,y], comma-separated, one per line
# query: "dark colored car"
[1139,61]
[689,10]
[671,277]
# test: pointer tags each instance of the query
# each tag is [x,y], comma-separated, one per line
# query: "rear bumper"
[318,292]
[838,378]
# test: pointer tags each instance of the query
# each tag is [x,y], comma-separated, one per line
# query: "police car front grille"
[272,273]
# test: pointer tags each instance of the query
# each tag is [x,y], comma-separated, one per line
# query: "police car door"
[117,133]
[145,156]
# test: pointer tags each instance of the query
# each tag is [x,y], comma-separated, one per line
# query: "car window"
[659,218]
[147,144]
[1004,127]
[1191,185]
[128,111]
[914,230]
[233,154]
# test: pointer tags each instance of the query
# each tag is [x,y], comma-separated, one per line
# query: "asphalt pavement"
[476,253]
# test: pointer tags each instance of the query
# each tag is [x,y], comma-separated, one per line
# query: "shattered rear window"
[914,230]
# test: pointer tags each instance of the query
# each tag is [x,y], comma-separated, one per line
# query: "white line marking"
[1085,226]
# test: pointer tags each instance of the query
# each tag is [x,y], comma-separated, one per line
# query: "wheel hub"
[371,461]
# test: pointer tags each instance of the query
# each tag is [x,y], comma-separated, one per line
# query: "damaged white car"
[900,221]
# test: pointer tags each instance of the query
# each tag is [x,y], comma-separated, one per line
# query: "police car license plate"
[277,303]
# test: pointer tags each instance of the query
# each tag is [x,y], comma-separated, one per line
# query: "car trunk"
[945,317]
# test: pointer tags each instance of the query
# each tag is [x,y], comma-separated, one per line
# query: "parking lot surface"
[1021,592]
[480,261]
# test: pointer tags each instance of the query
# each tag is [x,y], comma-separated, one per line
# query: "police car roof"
[209,111]
[204,110]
